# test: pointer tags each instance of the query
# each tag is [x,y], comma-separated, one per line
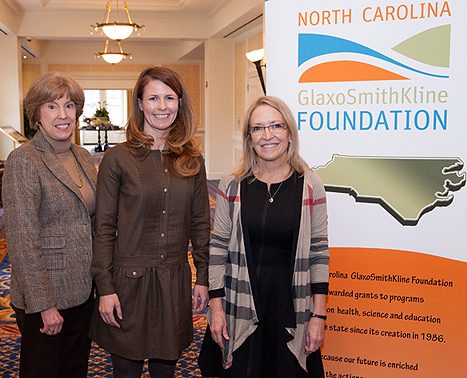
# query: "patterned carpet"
[99,362]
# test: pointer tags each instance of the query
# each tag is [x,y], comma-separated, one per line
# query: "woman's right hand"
[52,321]
[218,324]
[109,305]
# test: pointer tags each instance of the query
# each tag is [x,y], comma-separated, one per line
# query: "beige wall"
[219,106]
[31,72]
[244,70]
[10,16]
[242,67]
[227,95]
[10,91]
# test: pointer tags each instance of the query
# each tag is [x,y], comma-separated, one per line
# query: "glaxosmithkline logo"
[364,63]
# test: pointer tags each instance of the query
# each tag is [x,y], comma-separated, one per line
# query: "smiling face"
[270,147]
[159,104]
[58,118]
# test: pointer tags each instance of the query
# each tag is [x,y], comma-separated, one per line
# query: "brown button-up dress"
[145,218]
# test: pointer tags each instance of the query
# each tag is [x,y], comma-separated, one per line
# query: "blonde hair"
[183,153]
[50,87]
[250,161]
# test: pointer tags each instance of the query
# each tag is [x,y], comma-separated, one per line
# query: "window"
[116,101]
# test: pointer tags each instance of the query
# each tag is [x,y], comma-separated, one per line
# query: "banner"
[378,91]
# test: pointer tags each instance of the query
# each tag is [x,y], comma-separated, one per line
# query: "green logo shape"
[431,46]
[405,187]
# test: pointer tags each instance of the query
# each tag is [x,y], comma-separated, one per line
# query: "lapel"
[50,160]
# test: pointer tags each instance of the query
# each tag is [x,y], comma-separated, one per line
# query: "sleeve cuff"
[217,293]
[320,288]
[105,288]
[202,277]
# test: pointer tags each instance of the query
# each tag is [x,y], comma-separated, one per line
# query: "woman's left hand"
[200,297]
[314,335]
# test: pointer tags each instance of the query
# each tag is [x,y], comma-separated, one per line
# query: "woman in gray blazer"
[49,199]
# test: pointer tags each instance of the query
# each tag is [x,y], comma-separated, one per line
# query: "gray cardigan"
[48,228]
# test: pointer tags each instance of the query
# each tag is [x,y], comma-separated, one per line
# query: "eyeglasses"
[275,128]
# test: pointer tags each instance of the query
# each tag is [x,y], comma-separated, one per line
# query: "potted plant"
[101,112]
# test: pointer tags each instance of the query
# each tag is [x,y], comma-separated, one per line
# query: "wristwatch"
[323,317]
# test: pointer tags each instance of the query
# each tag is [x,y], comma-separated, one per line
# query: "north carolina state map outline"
[406,187]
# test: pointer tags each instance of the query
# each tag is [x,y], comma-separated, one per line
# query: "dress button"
[134,274]
[166,190]
[166,170]
[162,256]
[164,212]
[162,235]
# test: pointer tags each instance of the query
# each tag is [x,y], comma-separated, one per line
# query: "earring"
[38,124]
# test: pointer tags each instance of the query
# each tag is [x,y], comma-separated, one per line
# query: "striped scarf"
[228,267]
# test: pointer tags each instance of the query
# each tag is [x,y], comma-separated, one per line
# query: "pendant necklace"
[271,197]
[78,171]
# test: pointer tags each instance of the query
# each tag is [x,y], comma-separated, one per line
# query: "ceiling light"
[113,57]
[117,30]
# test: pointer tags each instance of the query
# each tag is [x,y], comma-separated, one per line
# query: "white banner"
[378,90]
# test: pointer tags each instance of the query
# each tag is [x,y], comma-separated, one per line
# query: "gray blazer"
[48,228]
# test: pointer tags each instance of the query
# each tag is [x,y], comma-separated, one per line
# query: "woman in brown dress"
[152,200]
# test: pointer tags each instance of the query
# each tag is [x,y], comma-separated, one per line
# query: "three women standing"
[269,252]
[49,200]
[151,201]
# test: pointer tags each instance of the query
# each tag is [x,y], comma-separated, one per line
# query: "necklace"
[271,197]
[78,171]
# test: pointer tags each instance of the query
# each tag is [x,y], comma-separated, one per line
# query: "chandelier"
[113,57]
[117,30]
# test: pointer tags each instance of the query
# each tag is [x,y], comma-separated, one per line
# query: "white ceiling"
[164,19]
[179,6]
[178,24]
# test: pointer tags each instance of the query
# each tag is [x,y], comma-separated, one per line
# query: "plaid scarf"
[228,267]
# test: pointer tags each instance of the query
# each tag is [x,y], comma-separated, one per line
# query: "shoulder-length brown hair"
[249,162]
[183,155]
[50,87]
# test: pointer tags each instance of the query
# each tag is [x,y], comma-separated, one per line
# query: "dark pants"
[63,355]
[126,368]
